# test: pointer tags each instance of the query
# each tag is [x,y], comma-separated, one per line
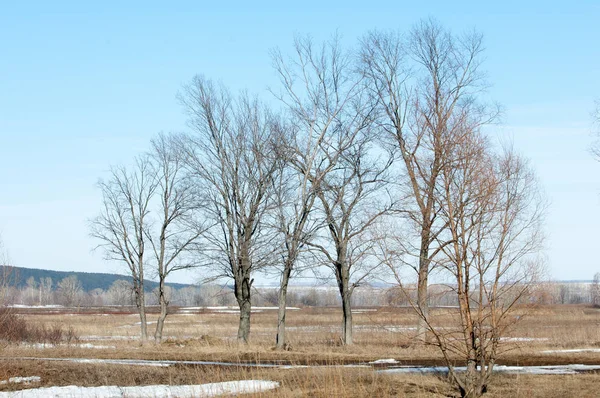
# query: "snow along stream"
[184,391]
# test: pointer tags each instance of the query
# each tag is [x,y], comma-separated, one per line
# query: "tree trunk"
[162,299]
[474,383]
[244,327]
[243,283]
[422,292]
[280,339]
[141,305]
[347,322]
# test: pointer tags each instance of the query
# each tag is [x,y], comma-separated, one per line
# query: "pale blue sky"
[86,86]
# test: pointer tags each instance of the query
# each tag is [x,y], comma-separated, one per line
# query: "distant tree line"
[69,292]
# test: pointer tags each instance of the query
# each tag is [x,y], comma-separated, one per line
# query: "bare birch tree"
[426,84]
[122,227]
[231,156]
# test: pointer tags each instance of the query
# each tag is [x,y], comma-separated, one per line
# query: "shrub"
[14,329]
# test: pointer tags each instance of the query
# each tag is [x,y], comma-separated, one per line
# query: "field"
[200,347]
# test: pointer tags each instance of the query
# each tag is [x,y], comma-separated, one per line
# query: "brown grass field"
[209,335]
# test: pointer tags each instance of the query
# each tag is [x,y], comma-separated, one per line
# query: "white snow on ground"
[201,390]
[23,380]
[232,311]
[521,339]
[237,309]
[102,338]
[536,370]
[35,306]
[572,350]
[387,328]
[40,346]
[385,361]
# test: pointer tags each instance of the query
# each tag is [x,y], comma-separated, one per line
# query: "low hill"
[89,280]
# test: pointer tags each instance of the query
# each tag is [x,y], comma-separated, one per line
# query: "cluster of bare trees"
[373,161]
[149,221]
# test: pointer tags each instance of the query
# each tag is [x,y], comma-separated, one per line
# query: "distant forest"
[89,280]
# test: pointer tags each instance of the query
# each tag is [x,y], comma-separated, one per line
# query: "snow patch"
[572,350]
[104,338]
[35,306]
[182,391]
[40,346]
[534,370]
[521,339]
[22,380]
[384,361]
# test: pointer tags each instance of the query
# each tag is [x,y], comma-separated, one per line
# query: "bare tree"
[595,290]
[69,290]
[123,225]
[426,85]
[314,90]
[295,198]
[7,277]
[175,240]
[232,158]
[45,287]
[333,115]
[121,292]
[493,212]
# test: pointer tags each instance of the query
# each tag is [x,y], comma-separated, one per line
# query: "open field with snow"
[551,352]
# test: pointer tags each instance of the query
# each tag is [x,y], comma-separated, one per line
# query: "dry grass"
[313,334]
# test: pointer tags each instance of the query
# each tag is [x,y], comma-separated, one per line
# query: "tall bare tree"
[231,155]
[426,84]
[175,238]
[122,227]
[314,89]
[294,220]
[333,115]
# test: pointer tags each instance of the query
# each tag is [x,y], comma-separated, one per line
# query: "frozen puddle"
[533,370]
[191,391]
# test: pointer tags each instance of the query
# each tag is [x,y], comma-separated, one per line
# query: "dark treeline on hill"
[89,280]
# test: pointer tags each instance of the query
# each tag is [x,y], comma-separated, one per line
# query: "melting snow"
[35,306]
[523,339]
[389,360]
[85,345]
[24,380]
[201,390]
[572,350]
[536,370]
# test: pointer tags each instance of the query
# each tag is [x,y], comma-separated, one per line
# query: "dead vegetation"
[312,333]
